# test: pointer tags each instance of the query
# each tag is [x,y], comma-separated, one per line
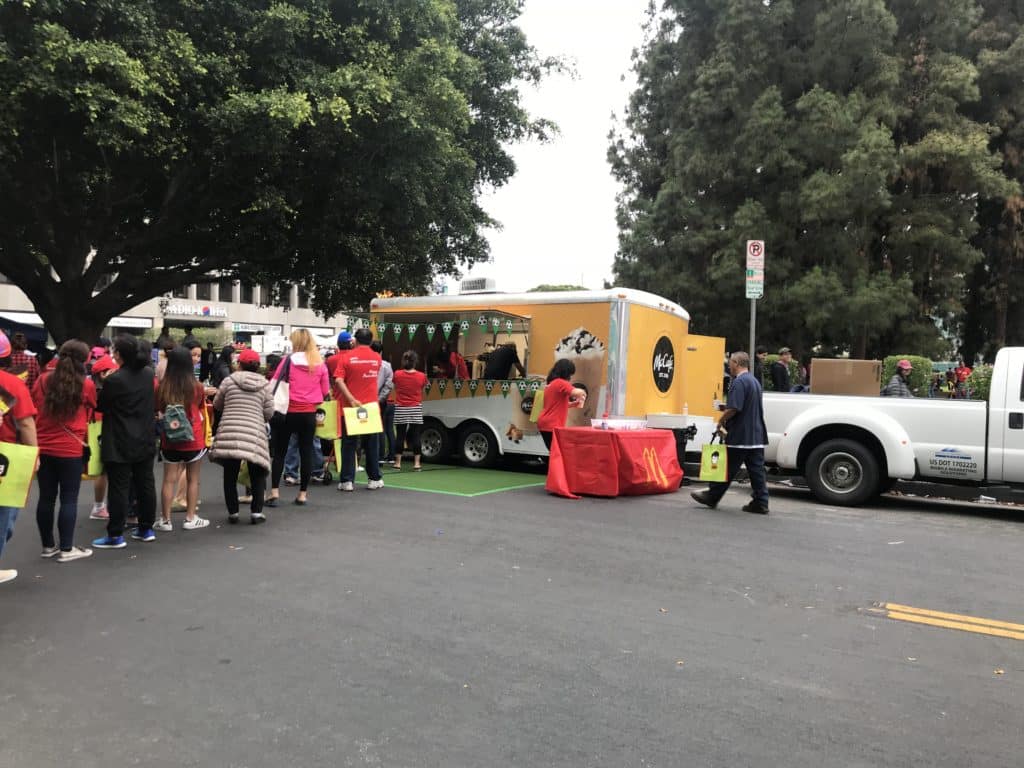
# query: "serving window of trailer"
[473,334]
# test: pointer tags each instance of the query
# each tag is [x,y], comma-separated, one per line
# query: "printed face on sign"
[321,417]
[5,464]
[362,415]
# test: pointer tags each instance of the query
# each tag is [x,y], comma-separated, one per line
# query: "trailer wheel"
[477,446]
[435,441]
[842,472]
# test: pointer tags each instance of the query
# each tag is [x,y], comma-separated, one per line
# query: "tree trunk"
[68,315]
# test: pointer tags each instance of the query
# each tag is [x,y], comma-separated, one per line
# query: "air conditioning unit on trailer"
[478,285]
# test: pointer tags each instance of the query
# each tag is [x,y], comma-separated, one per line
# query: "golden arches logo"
[653,469]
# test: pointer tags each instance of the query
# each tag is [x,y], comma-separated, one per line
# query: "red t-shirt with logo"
[358,369]
[53,438]
[556,405]
[15,404]
[409,387]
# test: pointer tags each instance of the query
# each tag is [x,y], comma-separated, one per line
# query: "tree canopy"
[875,145]
[150,143]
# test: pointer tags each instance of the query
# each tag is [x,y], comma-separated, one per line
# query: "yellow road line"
[956,621]
[954,617]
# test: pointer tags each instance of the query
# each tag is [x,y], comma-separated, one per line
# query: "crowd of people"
[185,408]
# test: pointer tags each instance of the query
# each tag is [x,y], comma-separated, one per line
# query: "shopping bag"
[538,405]
[243,475]
[363,420]
[327,425]
[207,426]
[714,463]
[282,388]
[17,468]
[94,468]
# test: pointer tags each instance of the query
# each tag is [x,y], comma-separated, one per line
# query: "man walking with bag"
[746,436]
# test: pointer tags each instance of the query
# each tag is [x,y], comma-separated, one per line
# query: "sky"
[558,211]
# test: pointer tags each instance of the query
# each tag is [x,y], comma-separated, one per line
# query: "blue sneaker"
[110,542]
[143,534]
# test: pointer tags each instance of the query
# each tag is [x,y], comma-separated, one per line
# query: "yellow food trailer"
[632,351]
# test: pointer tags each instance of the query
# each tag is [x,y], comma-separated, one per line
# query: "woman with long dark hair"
[222,368]
[127,404]
[183,445]
[65,399]
[559,395]
[409,384]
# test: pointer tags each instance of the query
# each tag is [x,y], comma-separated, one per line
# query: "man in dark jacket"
[780,370]
[746,437]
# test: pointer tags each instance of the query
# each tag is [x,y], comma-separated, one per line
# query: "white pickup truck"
[850,449]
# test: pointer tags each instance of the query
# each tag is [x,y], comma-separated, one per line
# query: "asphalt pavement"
[397,628]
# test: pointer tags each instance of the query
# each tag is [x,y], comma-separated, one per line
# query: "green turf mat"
[457,481]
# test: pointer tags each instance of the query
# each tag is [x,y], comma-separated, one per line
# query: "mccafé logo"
[195,311]
[652,466]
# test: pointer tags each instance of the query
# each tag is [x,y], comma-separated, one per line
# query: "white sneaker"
[75,553]
[99,512]
[49,552]
[346,487]
[6,576]
[245,499]
[195,523]
[163,525]
[289,481]
[374,485]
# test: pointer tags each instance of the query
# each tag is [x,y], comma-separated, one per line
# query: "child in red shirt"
[179,387]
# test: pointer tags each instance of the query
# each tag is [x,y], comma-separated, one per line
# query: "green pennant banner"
[489,386]
[534,386]
[431,330]
[446,328]
[382,328]
[464,327]
[505,388]
[482,323]
[508,327]
[397,330]
[521,385]
[413,327]
[474,384]
[427,387]
[457,384]
[495,324]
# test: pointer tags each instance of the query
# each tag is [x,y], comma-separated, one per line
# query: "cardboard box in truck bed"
[846,377]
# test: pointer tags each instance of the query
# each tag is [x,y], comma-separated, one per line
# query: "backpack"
[176,426]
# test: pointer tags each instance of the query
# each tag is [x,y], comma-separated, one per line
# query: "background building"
[221,310]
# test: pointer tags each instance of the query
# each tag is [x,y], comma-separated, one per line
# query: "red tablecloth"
[605,462]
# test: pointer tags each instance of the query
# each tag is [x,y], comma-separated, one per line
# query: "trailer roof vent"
[479,285]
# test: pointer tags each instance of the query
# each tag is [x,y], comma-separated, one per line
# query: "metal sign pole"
[753,327]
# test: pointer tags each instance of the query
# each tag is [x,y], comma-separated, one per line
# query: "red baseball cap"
[105,363]
[249,356]
[905,364]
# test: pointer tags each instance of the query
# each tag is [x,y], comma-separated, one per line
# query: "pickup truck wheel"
[842,472]
[477,446]
[435,442]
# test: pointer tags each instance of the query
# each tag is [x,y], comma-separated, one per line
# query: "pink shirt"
[307,389]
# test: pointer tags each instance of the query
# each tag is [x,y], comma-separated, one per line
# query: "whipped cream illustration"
[580,343]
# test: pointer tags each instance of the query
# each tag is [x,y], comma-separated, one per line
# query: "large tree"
[835,131]
[342,143]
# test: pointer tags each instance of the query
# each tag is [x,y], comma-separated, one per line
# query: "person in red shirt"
[65,399]
[102,368]
[17,425]
[409,384]
[180,387]
[23,363]
[449,364]
[356,378]
[559,396]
